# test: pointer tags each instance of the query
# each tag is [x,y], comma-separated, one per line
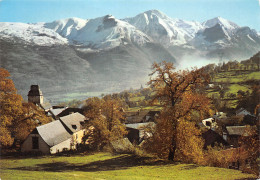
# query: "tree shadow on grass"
[118,163]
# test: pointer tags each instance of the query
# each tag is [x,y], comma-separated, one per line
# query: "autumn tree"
[106,117]
[10,107]
[250,144]
[31,117]
[17,119]
[181,93]
[249,100]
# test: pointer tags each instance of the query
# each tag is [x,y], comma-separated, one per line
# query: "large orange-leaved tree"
[17,118]
[10,108]
[181,92]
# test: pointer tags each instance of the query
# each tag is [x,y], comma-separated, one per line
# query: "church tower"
[35,95]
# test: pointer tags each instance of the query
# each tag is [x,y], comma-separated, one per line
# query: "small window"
[35,142]
[74,126]
[208,123]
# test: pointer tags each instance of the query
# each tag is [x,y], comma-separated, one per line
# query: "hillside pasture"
[107,166]
[236,77]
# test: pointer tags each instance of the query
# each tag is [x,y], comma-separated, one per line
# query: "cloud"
[259,2]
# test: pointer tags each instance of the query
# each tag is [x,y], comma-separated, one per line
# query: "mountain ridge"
[107,54]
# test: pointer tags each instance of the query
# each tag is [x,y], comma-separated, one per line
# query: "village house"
[212,138]
[50,138]
[209,123]
[141,116]
[138,132]
[232,134]
[55,111]
[70,110]
[74,122]
[56,136]
[151,116]
[218,116]
[243,112]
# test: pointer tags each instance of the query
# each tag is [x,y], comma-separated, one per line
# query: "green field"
[107,166]
[148,108]
[231,76]
[234,83]
[138,98]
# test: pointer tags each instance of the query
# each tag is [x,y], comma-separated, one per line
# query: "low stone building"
[57,136]
[212,138]
[74,124]
[233,133]
[138,132]
[48,139]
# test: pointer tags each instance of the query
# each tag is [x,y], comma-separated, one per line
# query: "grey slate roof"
[53,133]
[140,125]
[238,130]
[72,121]
[235,130]
[57,111]
[46,105]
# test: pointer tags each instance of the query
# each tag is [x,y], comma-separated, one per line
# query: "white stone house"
[56,136]
[73,123]
[48,139]
[209,123]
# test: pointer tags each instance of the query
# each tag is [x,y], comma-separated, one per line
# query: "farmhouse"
[209,123]
[219,116]
[73,123]
[48,139]
[138,132]
[233,133]
[57,136]
[151,116]
[212,138]
[55,111]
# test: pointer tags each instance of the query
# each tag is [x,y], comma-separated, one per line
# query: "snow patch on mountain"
[30,33]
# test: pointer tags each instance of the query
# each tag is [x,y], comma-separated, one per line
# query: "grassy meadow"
[108,166]
[234,82]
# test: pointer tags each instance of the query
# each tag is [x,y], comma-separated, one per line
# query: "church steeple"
[35,95]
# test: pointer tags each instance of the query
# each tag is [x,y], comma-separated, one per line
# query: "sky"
[242,12]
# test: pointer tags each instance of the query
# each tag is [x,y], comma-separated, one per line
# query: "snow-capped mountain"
[100,33]
[218,31]
[30,34]
[227,25]
[107,54]
[219,34]
[107,32]
[164,29]
[215,34]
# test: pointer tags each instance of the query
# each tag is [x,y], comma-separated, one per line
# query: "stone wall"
[27,146]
